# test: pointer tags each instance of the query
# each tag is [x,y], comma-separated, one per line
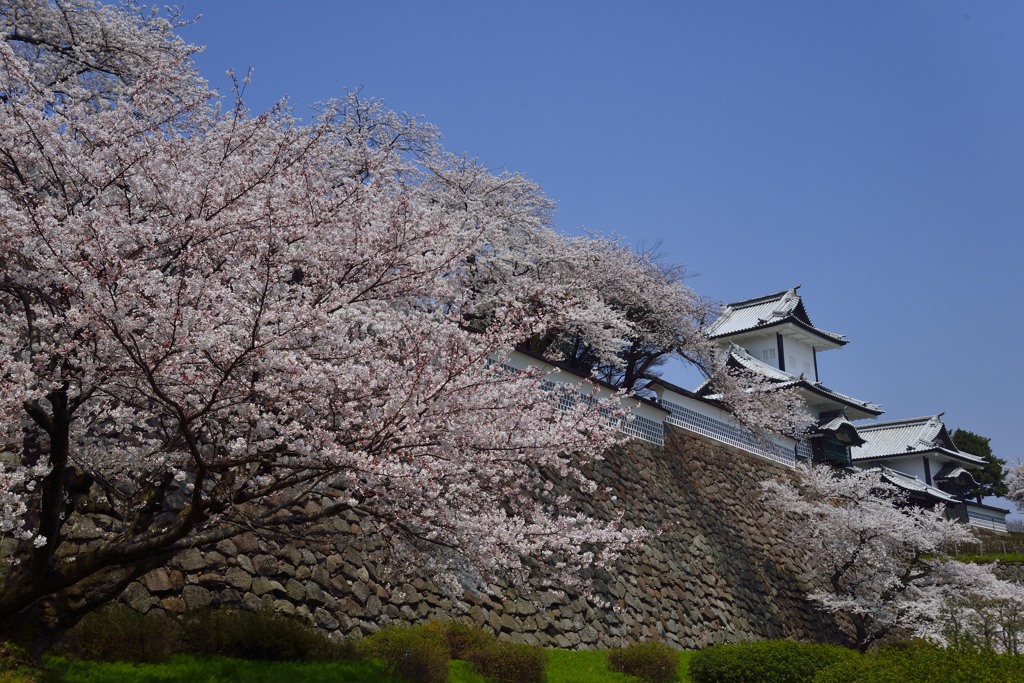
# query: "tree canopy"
[208,316]
[992,476]
[884,564]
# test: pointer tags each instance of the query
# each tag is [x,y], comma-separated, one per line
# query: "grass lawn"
[990,557]
[571,666]
[185,668]
[564,666]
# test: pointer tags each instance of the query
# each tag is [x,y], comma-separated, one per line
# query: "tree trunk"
[39,625]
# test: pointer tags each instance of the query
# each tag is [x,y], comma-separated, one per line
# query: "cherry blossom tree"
[976,610]
[881,563]
[1015,484]
[209,317]
[655,316]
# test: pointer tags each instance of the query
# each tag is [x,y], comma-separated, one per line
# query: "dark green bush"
[116,632]
[412,654]
[923,663]
[775,661]
[257,635]
[508,662]
[653,662]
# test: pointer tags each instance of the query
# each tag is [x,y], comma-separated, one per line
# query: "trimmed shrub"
[460,639]
[257,635]
[653,662]
[116,632]
[778,661]
[412,654]
[924,663]
[508,662]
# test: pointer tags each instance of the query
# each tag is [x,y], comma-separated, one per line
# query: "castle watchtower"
[773,336]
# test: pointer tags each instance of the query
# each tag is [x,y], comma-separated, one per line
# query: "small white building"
[918,455]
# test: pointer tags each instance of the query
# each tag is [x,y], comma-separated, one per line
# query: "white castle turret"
[774,337]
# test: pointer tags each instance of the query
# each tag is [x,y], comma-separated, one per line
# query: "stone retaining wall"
[1010,571]
[719,571]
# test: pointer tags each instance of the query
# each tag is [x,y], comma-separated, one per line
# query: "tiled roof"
[834,424]
[744,359]
[915,485]
[951,472]
[837,424]
[906,437]
[784,380]
[766,311]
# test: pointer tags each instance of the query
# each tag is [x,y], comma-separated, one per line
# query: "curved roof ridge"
[751,363]
[902,422]
[765,311]
[762,299]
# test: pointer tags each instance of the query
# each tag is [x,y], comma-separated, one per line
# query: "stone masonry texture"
[719,570]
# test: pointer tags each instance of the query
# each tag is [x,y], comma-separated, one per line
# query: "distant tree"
[993,476]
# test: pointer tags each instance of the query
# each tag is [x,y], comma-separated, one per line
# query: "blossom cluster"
[208,316]
[881,562]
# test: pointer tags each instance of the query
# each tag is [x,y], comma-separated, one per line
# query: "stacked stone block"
[718,570]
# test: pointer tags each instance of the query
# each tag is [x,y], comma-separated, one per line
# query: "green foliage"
[119,633]
[582,666]
[460,639]
[16,666]
[116,632]
[257,636]
[190,669]
[508,662]
[991,476]
[412,654]
[421,653]
[460,671]
[976,624]
[989,559]
[564,666]
[496,662]
[653,662]
[777,661]
[923,663]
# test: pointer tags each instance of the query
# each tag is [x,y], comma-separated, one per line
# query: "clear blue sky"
[870,151]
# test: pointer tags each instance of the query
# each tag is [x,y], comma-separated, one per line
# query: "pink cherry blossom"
[211,317]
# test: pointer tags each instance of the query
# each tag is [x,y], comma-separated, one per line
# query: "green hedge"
[119,633]
[922,663]
[420,654]
[650,662]
[768,661]
[461,639]
[509,662]
[257,636]
[411,654]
